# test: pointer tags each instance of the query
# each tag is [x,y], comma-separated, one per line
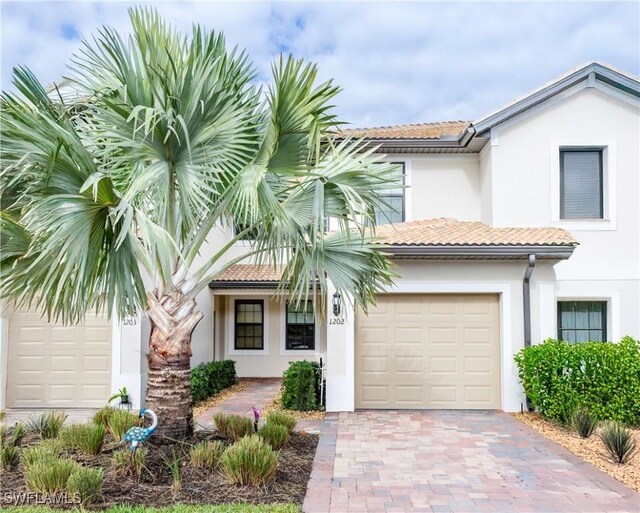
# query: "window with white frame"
[581,183]
[392,209]
[301,327]
[249,324]
[582,321]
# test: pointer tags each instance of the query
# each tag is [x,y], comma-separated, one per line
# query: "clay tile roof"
[450,232]
[250,272]
[416,131]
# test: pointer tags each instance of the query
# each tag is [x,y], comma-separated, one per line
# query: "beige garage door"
[429,351]
[57,366]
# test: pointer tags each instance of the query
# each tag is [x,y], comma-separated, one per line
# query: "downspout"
[526,301]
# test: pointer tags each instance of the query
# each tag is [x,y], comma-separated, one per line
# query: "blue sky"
[398,62]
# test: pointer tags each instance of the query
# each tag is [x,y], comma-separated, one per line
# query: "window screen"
[581,184]
[249,324]
[301,327]
[582,321]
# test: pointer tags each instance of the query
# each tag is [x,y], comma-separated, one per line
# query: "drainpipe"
[526,301]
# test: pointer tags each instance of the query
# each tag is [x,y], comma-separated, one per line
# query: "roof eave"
[243,284]
[561,252]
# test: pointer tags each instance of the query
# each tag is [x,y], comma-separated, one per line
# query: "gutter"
[526,299]
[497,251]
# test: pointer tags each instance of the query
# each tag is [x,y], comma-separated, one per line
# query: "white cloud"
[397,62]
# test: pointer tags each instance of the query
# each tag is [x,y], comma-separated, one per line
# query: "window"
[301,327]
[392,211]
[581,195]
[249,324]
[582,321]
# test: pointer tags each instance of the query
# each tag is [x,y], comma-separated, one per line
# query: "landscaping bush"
[275,435]
[584,422]
[120,421]
[249,462]
[618,440]
[206,454]
[282,419]
[11,437]
[300,386]
[9,457]
[44,452]
[220,420]
[47,424]
[238,427]
[49,476]
[102,416]
[558,378]
[87,438]
[207,379]
[128,462]
[86,484]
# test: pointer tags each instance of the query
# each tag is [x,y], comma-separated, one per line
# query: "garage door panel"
[444,352]
[51,365]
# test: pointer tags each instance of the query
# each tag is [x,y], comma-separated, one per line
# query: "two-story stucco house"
[522,225]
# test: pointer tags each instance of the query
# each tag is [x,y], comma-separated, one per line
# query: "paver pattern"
[457,461]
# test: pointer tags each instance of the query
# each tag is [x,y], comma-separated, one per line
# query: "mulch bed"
[199,486]
[591,449]
[276,404]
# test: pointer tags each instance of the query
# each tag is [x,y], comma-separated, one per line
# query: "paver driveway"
[455,461]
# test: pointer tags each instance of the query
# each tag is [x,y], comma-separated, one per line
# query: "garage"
[56,366]
[429,351]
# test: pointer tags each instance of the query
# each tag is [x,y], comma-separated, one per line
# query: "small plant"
[584,422]
[121,394]
[301,386]
[127,462]
[87,438]
[206,454]
[275,435]
[46,476]
[282,419]
[47,424]
[220,420]
[4,435]
[44,452]
[9,457]
[120,422]
[102,416]
[618,440]
[249,462]
[17,434]
[173,464]
[238,427]
[86,483]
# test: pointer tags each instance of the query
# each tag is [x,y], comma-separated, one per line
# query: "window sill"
[248,352]
[586,224]
[299,352]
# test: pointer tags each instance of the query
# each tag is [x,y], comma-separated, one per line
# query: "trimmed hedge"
[208,379]
[604,377]
[301,386]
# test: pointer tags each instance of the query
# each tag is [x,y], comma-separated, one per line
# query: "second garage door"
[429,351]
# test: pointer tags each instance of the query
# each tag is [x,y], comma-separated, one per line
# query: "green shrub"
[44,452]
[9,457]
[249,462]
[120,421]
[102,416]
[49,476]
[300,384]
[220,419]
[559,378]
[128,462]
[11,437]
[274,434]
[206,454]
[47,424]
[173,464]
[4,435]
[584,422]
[207,379]
[238,427]
[618,440]
[87,438]
[281,418]
[86,484]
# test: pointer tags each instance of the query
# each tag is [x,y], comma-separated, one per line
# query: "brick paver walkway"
[454,461]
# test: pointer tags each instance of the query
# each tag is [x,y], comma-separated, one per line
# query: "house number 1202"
[336,321]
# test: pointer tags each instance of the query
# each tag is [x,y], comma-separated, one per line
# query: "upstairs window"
[392,211]
[301,327]
[582,321]
[581,195]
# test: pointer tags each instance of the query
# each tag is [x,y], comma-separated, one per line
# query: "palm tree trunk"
[173,319]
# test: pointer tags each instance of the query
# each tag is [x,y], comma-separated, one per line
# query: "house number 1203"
[336,321]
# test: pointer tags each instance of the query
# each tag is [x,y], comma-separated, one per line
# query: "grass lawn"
[230,508]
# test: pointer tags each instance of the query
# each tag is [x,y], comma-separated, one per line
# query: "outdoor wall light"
[337,303]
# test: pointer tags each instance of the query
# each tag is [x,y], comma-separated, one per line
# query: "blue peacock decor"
[137,435]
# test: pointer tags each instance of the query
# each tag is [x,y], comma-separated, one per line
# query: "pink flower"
[256,414]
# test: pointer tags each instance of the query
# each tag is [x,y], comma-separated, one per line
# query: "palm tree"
[109,193]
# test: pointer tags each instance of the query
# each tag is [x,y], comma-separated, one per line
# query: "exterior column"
[128,365]
[340,356]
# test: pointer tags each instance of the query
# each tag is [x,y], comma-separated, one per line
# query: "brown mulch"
[215,400]
[591,449]
[199,486]
[299,415]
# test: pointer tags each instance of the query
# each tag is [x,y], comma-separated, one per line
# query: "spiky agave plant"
[165,137]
